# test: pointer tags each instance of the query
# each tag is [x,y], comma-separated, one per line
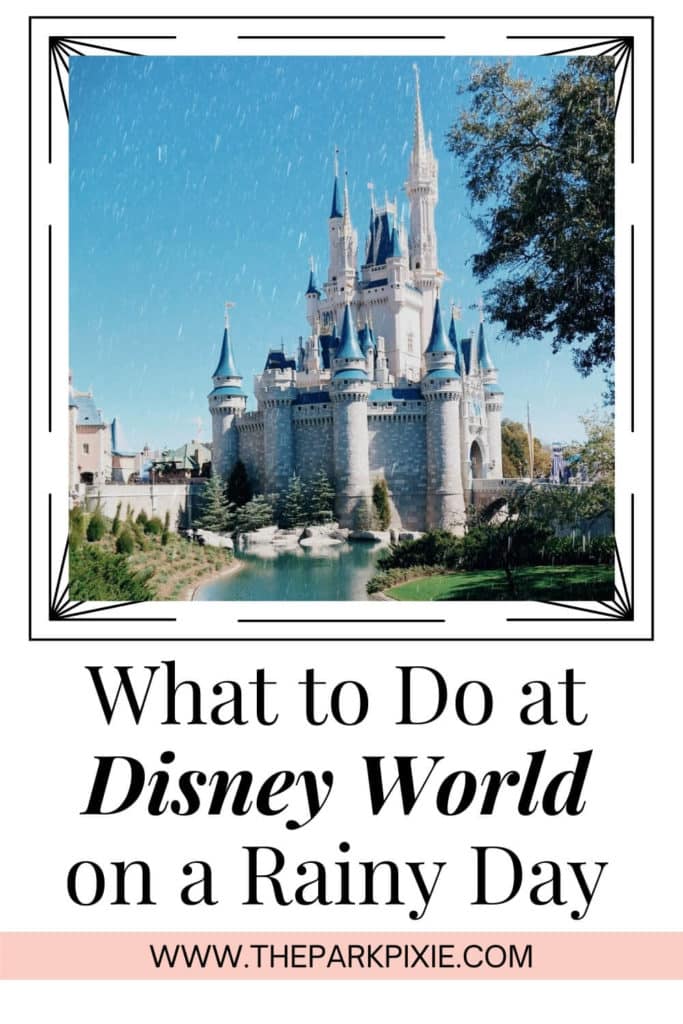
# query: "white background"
[52,728]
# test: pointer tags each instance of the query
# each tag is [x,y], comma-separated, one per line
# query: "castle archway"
[476,461]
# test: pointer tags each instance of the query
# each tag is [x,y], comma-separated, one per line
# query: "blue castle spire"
[453,338]
[336,206]
[483,355]
[226,361]
[349,347]
[312,284]
[438,341]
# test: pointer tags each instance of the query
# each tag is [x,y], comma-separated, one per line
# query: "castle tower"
[341,274]
[276,392]
[349,391]
[423,192]
[493,396]
[441,389]
[312,297]
[227,403]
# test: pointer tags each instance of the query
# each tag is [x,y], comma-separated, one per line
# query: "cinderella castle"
[379,388]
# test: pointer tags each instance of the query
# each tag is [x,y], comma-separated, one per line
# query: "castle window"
[86,449]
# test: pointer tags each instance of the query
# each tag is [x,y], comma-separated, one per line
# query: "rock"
[369,536]
[214,540]
[320,541]
[409,535]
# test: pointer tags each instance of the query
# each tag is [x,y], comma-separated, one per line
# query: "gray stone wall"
[398,452]
[313,441]
[251,440]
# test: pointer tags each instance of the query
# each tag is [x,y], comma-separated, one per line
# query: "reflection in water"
[336,573]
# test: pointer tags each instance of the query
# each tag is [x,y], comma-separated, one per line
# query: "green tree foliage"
[293,510]
[515,447]
[320,498]
[97,527]
[167,521]
[76,527]
[238,489]
[215,512]
[539,167]
[597,452]
[362,515]
[125,542]
[380,504]
[142,518]
[96,574]
[256,514]
[154,526]
[116,521]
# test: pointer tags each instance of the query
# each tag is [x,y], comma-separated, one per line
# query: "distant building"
[90,450]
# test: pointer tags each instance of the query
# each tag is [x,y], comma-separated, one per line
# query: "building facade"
[380,388]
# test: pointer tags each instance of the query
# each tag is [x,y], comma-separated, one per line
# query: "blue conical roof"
[348,347]
[483,356]
[312,285]
[226,362]
[394,247]
[453,338]
[366,338]
[336,209]
[438,341]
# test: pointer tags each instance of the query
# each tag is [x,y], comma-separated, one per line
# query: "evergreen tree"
[76,527]
[238,489]
[215,512]
[380,504]
[116,521]
[254,515]
[293,511]
[321,498]
[362,516]
[96,526]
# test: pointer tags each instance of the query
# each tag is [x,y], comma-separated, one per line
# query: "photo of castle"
[372,457]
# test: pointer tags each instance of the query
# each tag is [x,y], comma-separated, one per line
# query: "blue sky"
[198,180]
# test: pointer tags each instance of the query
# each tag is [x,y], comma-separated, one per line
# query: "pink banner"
[245,956]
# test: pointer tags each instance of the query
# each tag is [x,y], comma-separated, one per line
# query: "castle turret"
[227,403]
[423,192]
[276,392]
[493,396]
[341,272]
[312,297]
[349,391]
[441,389]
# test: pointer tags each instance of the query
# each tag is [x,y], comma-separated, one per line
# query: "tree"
[321,498]
[380,504]
[238,489]
[96,526]
[362,516]
[515,446]
[597,452]
[215,513]
[256,514]
[293,510]
[539,166]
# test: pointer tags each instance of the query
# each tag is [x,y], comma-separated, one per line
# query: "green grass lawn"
[534,583]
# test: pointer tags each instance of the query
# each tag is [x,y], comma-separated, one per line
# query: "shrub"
[362,516]
[125,542]
[293,509]
[116,521]
[437,547]
[96,526]
[154,526]
[96,574]
[76,527]
[164,538]
[142,518]
[380,504]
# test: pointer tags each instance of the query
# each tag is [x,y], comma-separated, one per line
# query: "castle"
[379,389]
